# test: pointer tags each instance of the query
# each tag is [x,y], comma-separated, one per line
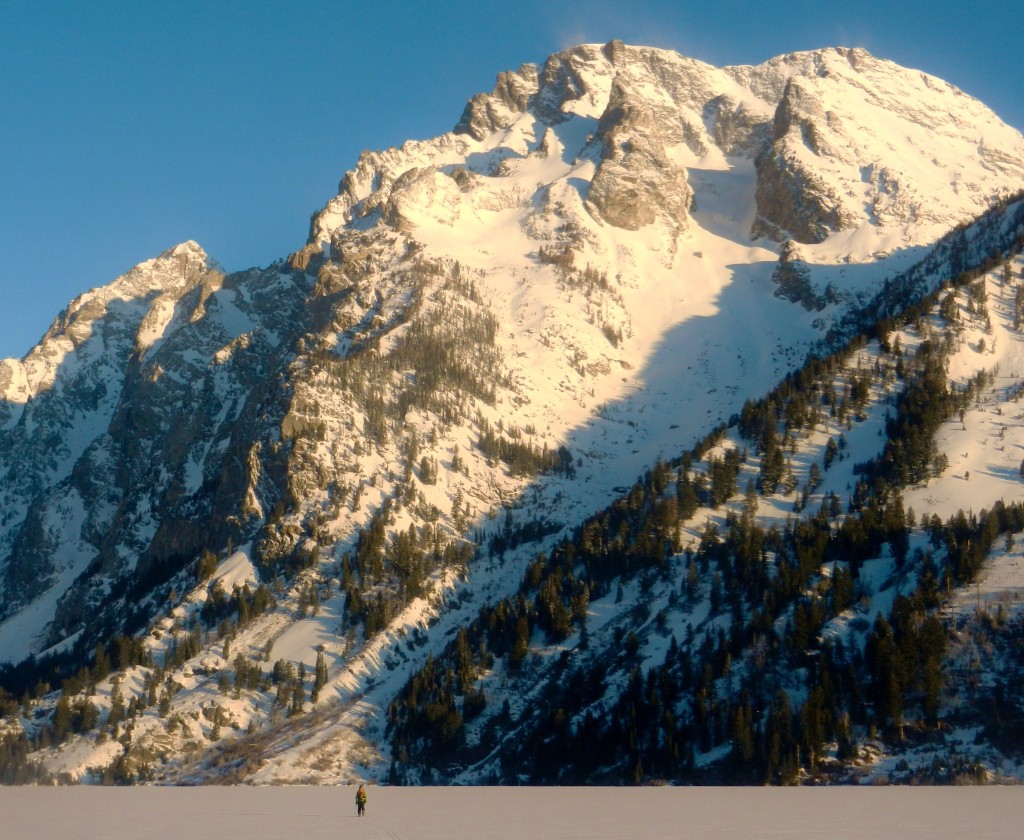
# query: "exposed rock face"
[636,180]
[790,196]
[307,258]
[486,113]
[570,80]
[735,127]
[790,199]
[833,165]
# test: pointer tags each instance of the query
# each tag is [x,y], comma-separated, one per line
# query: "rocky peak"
[128,297]
[791,197]
[833,164]
[489,112]
[817,125]
[570,82]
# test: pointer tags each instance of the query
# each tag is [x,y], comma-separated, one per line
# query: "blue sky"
[127,127]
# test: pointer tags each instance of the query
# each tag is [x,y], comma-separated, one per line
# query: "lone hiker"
[361,801]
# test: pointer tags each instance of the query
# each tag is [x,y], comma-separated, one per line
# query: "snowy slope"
[594,254]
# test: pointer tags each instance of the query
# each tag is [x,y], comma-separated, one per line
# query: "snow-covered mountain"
[334,462]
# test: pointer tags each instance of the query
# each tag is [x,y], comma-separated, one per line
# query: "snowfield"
[242,813]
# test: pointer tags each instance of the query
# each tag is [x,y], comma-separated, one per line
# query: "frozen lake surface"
[311,813]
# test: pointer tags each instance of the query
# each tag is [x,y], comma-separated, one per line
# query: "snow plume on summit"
[258,505]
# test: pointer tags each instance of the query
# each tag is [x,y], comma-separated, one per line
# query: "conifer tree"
[320,678]
[62,718]
[298,695]
[101,666]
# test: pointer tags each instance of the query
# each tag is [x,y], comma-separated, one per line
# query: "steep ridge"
[63,396]
[693,632]
[487,336]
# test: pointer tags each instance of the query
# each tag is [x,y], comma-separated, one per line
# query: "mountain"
[213,482]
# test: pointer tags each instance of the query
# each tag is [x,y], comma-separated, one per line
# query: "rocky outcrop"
[636,181]
[488,112]
[792,277]
[792,199]
[419,193]
[566,78]
[736,128]
[307,258]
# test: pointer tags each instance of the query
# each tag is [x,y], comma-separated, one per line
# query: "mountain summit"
[335,462]
[839,140]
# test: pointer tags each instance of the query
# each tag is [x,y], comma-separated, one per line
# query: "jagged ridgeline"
[439,359]
[335,517]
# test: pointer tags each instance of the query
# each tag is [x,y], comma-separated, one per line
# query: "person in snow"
[361,801]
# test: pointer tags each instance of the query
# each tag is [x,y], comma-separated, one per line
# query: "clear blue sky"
[127,127]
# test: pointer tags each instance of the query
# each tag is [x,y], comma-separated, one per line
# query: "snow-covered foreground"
[515,813]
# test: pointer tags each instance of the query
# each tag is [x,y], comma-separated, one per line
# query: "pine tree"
[814,477]
[101,666]
[62,718]
[773,465]
[298,691]
[116,706]
[320,678]
[831,450]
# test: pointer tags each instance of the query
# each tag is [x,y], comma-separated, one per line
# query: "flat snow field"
[309,813]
